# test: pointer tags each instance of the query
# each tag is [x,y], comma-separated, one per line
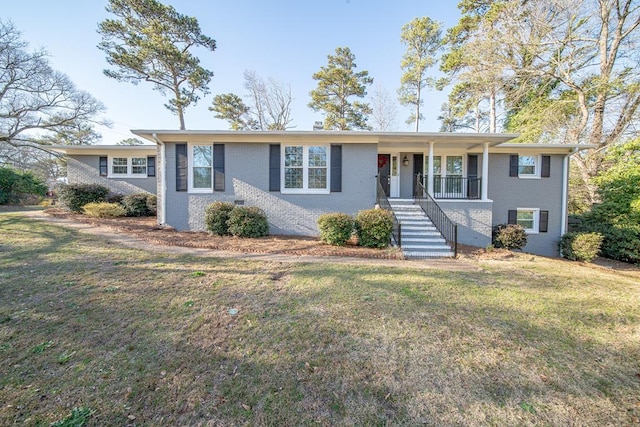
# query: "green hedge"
[509,236]
[139,204]
[335,228]
[248,221]
[374,228]
[216,217]
[17,187]
[104,210]
[581,246]
[75,196]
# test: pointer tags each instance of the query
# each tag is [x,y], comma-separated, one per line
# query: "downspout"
[565,191]
[162,219]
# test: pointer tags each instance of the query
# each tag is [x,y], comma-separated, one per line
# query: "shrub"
[248,221]
[152,204]
[216,216]
[374,228]
[621,240]
[20,187]
[136,204]
[114,198]
[509,236]
[75,196]
[335,228]
[104,210]
[580,246]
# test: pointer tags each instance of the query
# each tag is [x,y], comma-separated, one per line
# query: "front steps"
[420,238]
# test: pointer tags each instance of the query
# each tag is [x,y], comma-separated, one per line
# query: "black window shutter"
[545,172]
[544,221]
[513,165]
[218,167]
[336,168]
[151,166]
[274,167]
[104,169]
[512,217]
[181,167]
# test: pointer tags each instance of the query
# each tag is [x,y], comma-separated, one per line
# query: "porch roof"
[386,141]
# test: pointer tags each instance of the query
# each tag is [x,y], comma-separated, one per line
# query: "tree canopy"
[423,39]
[149,41]
[338,83]
[269,106]
[39,105]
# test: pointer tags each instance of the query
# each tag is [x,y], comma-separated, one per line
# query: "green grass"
[150,339]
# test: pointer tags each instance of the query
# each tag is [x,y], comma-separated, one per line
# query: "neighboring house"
[123,169]
[478,180]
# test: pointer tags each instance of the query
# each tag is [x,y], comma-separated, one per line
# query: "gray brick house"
[478,180]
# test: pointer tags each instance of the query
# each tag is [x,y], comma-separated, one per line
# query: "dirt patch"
[146,228]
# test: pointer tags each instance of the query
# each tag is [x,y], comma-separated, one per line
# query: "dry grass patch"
[156,339]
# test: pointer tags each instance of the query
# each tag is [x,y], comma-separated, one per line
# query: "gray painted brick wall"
[474,219]
[247,179]
[544,193]
[82,169]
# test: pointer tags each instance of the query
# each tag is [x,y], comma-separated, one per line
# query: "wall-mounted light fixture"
[405,161]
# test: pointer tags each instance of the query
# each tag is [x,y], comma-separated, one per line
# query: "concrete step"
[420,254]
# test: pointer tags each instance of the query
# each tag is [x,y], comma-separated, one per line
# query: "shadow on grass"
[325,344]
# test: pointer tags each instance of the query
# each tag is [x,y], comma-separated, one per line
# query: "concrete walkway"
[137,243]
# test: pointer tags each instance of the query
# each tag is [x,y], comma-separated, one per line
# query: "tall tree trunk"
[418,109]
[492,110]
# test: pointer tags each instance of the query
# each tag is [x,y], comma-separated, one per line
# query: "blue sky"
[285,39]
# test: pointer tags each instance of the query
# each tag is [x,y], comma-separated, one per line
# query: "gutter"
[565,191]
[162,219]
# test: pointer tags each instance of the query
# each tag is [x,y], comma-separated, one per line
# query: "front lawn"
[129,337]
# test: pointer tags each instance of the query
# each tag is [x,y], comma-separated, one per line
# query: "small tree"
[338,83]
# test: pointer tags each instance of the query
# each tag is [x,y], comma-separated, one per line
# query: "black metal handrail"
[441,221]
[383,202]
[456,187]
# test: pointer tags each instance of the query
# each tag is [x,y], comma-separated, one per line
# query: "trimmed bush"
[509,236]
[136,204]
[20,187]
[152,204]
[216,216]
[75,196]
[621,241]
[374,228]
[248,221]
[335,228]
[114,198]
[581,246]
[104,210]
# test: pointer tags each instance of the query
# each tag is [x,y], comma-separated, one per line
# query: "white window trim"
[538,166]
[190,169]
[536,220]
[305,168]
[129,173]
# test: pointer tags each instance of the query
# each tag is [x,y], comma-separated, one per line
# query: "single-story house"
[478,180]
[123,169]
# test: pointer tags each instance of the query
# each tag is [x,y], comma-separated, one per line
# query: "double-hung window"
[201,168]
[528,166]
[533,220]
[305,169]
[130,167]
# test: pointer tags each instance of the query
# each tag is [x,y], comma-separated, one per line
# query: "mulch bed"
[146,228]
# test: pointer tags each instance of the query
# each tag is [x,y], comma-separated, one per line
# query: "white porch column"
[485,171]
[430,170]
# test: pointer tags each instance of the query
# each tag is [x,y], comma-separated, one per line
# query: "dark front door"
[418,170]
[384,168]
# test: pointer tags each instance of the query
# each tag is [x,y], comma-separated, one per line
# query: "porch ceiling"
[411,142]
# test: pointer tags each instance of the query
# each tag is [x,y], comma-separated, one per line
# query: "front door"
[384,172]
[418,170]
